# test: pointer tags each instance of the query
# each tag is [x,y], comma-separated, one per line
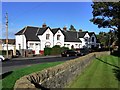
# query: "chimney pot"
[44,25]
[65,28]
[80,30]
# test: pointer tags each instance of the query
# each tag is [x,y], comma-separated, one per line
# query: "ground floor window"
[47,46]
[31,45]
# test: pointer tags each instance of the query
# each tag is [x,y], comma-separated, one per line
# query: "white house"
[37,38]
[11,45]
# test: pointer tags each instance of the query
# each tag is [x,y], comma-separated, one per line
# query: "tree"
[103,38]
[72,28]
[107,39]
[107,15]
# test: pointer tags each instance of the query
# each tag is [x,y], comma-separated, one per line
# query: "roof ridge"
[37,31]
[33,26]
[24,30]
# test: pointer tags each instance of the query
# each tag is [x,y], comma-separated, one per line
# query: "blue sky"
[54,14]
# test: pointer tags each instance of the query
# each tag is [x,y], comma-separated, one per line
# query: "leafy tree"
[107,15]
[107,39]
[72,28]
[103,38]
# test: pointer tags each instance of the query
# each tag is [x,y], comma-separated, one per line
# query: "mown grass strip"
[100,74]
[9,81]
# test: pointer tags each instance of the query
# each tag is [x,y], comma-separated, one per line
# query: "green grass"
[100,74]
[9,81]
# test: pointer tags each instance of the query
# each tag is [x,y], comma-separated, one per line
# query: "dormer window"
[58,37]
[92,39]
[47,36]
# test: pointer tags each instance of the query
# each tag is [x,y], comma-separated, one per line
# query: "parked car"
[2,58]
[82,51]
[68,53]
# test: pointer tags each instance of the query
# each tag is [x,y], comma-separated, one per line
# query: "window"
[68,45]
[47,36]
[58,37]
[47,45]
[92,39]
[86,39]
[31,45]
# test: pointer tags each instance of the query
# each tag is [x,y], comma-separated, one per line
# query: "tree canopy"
[107,15]
[72,28]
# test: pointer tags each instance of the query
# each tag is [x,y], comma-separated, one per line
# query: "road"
[16,64]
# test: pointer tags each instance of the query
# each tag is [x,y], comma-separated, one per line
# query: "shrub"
[3,52]
[56,50]
[47,51]
[64,48]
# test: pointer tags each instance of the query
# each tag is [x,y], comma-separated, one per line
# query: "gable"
[86,35]
[59,31]
[47,31]
[42,30]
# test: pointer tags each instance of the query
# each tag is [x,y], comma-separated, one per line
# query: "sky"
[54,14]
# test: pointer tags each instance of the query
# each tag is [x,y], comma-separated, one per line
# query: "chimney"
[44,25]
[80,30]
[64,28]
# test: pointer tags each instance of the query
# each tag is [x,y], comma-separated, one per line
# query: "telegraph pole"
[6,34]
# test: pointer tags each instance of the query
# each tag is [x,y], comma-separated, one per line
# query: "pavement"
[36,57]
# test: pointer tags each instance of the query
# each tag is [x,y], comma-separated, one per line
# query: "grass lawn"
[9,81]
[102,73]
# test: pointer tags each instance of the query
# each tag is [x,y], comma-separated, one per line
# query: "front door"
[37,48]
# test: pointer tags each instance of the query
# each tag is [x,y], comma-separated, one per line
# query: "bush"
[64,48]
[4,52]
[47,51]
[56,50]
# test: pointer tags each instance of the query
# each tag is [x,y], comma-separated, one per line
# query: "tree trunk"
[119,41]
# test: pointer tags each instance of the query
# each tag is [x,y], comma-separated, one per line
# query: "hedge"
[55,50]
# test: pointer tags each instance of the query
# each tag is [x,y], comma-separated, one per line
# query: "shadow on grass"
[108,63]
[116,69]
[5,74]
[117,73]
[115,53]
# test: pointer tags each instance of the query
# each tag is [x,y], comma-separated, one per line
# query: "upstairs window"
[92,39]
[58,37]
[47,36]
[86,39]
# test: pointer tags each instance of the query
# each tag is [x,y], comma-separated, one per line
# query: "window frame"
[47,36]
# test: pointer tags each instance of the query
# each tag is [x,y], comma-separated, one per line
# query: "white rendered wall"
[61,41]
[69,44]
[36,46]
[20,40]
[93,43]
[44,41]
[83,40]
[10,47]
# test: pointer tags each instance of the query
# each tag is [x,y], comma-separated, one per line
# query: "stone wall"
[58,76]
